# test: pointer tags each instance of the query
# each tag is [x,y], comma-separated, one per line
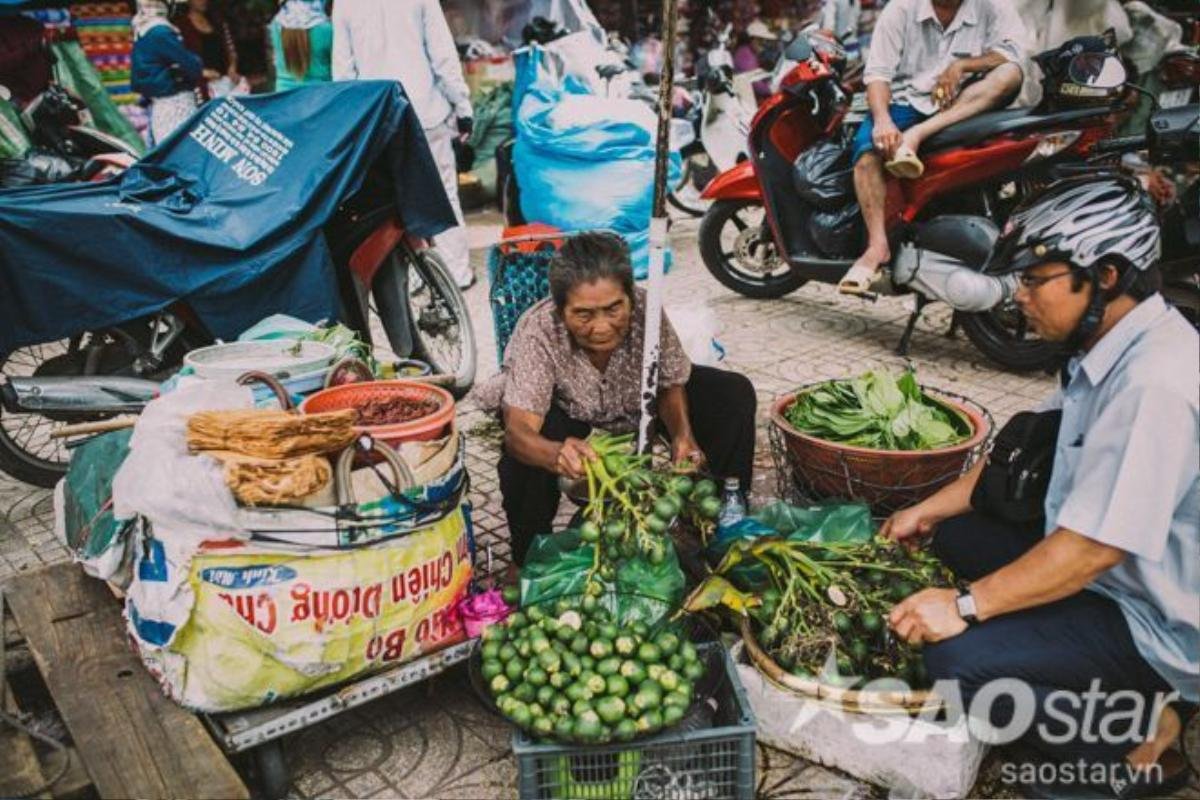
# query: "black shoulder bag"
[1013,484]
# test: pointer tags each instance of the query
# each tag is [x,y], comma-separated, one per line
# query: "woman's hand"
[909,524]
[930,615]
[572,456]
[685,451]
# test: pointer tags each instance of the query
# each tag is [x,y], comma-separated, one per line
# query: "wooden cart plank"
[132,739]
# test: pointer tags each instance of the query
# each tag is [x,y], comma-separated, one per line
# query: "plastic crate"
[715,763]
[518,274]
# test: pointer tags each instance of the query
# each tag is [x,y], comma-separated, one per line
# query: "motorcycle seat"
[1009,120]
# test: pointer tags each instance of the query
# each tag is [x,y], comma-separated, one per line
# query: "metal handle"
[1120,144]
[401,473]
[355,365]
[285,401]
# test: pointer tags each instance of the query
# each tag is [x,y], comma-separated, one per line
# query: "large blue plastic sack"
[585,162]
[526,62]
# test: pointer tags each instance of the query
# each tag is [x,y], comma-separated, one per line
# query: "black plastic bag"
[36,168]
[823,176]
[839,233]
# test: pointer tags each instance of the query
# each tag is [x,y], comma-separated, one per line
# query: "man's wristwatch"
[966,605]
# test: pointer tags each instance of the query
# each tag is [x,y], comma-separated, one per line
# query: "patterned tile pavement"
[435,739]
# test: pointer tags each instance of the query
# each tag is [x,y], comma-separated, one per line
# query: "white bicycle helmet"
[1081,221]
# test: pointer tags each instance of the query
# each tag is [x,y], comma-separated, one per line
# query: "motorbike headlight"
[1052,144]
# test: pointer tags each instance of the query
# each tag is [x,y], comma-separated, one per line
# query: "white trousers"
[452,244]
[168,113]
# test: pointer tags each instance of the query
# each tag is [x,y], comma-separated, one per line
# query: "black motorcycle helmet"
[1086,222]
[1083,71]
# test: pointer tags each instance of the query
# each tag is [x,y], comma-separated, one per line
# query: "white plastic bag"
[161,481]
[697,331]
[914,757]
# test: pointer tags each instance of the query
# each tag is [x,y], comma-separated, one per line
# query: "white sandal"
[905,164]
[857,280]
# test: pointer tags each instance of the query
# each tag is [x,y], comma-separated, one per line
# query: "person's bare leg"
[870,185]
[996,87]
[1170,726]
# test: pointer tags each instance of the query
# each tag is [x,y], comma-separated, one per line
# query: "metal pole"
[658,231]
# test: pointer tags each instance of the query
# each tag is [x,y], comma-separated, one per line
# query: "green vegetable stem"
[632,507]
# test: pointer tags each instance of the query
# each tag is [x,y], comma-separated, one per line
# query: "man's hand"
[945,88]
[909,524]
[930,615]
[572,454]
[685,450]
[210,74]
[885,136]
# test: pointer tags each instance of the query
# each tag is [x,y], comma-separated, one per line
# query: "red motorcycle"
[788,214]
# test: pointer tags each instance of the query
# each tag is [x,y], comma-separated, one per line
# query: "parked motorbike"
[1172,139]
[789,214]
[1179,74]
[721,119]
[97,374]
[65,147]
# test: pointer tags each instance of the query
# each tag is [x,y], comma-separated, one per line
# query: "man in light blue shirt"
[1098,615]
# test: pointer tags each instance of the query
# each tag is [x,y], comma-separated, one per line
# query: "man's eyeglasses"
[1032,282]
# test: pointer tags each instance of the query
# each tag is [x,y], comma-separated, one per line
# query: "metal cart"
[261,729]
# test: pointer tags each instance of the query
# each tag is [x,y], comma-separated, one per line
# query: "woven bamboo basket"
[886,480]
[911,702]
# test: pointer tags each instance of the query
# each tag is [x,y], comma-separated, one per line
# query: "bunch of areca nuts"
[631,506]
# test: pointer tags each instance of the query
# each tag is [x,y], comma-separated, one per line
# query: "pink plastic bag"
[481,610]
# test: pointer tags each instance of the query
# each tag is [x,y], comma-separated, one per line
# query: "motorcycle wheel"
[441,326]
[1003,335]
[737,248]
[27,452]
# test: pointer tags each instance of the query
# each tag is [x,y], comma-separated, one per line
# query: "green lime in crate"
[710,754]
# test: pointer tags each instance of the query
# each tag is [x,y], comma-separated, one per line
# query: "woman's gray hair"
[587,258]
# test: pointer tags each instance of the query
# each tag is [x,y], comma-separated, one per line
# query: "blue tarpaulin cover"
[226,213]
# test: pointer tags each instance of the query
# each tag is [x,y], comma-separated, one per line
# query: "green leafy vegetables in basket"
[878,411]
[345,342]
[823,611]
